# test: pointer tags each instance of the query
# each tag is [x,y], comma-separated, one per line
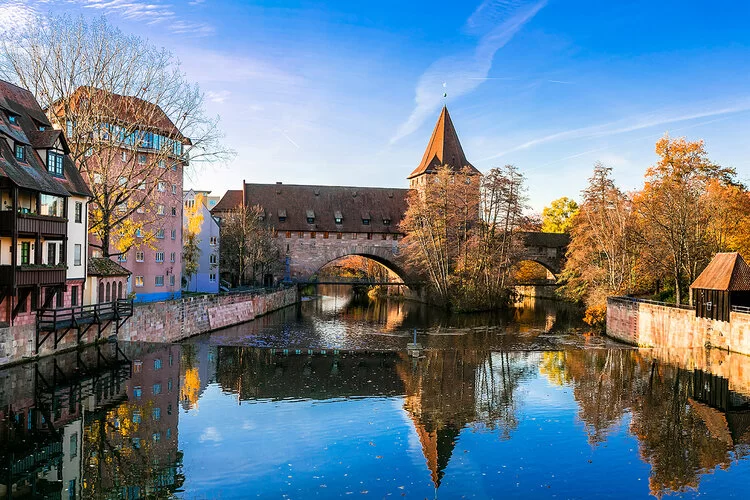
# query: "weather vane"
[445,94]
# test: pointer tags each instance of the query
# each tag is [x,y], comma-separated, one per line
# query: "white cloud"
[465,72]
[14,14]
[218,97]
[630,125]
[211,434]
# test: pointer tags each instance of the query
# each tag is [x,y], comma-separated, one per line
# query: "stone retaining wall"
[653,325]
[167,321]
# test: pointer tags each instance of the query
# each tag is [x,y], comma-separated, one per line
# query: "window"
[74,296]
[139,256]
[25,252]
[13,119]
[51,254]
[97,178]
[137,366]
[171,280]
[159,256]
[282,218]
[162,164]
[136,441]
[161,186]
[338,220]
[139,281]
[156,389]
[122,181]
[137,393]
[369,236]
[55,163]
[171,257]
[312,235]
[72,489]
[311,220]
[213,241]
[77,254]
[212,278]
[174,167]
[158,280]
[60,299]
[212,258]
[79,212]
[160,210]
[140,210]
[52,205]
[174,188]
[169,432]
[325,235]
[122,257]
[124,156]
[174,211]
[169,385]
[157,364]
[142,159]
[142,185]
[339,236]
[160,234]
[386,221]
[156,414]
[366,222]
[122,208]
[287,235]
[73,445]
[156,436]
[189,203]
[174,234]
[69,128]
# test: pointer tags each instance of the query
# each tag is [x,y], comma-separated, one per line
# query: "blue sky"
[348,92]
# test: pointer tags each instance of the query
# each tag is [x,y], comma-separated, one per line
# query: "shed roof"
[726,272]
[101,266]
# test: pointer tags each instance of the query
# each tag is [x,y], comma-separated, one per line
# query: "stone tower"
[444,149]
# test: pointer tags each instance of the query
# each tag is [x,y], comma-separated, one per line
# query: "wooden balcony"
[33,223]
[32,275]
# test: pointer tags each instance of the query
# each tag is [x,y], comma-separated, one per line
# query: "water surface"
[520,404]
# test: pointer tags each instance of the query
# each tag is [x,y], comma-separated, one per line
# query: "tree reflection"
[684,420]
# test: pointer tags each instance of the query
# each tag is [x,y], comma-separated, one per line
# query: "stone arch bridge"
[306,256]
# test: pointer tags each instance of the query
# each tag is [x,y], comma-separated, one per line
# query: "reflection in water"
[509,404]
[99,423]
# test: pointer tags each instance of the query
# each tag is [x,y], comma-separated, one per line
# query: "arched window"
[108,293]
[119,289]
[101,292]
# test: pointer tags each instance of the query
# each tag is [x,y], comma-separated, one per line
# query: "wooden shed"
[724,283]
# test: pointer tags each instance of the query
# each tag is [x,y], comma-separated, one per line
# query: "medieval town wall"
[661,326]
[168,321]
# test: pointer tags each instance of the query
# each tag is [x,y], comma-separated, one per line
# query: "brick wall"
[653,325]
[167,321]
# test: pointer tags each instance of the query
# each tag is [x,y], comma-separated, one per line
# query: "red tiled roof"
[726,272]
[288,206]
[231,200]
[444,149]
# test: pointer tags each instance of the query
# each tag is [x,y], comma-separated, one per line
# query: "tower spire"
[444,148]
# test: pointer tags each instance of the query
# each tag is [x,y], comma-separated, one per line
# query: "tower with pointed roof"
[444,148]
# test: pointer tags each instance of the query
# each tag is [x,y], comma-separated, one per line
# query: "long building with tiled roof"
[43,220]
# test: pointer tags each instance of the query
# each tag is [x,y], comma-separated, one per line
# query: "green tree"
[558,216]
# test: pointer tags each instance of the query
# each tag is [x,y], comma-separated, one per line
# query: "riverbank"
[652,324]
[168,321]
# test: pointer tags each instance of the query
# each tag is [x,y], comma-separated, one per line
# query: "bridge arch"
[386,255]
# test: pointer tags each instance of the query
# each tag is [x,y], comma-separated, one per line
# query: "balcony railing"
[29,223]
[32,275]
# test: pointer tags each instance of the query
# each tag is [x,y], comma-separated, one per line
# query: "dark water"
[521,404]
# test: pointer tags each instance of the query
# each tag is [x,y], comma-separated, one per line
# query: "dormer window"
[366,222]
[338,217]
[386,221]
[55,163]
[20,152]
[282,215]
[13,119]
[365,218]
[310,217]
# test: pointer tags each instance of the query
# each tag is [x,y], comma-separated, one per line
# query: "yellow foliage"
[191,386]
[596,315]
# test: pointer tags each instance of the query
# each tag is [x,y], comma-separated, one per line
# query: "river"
[323,400]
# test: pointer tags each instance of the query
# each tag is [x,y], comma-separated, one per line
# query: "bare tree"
[127,110]
[249,250]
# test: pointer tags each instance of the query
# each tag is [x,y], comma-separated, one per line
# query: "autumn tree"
[601,253]
[248,249]
[127,110]
[558,216]
[191,251]
[676,220]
